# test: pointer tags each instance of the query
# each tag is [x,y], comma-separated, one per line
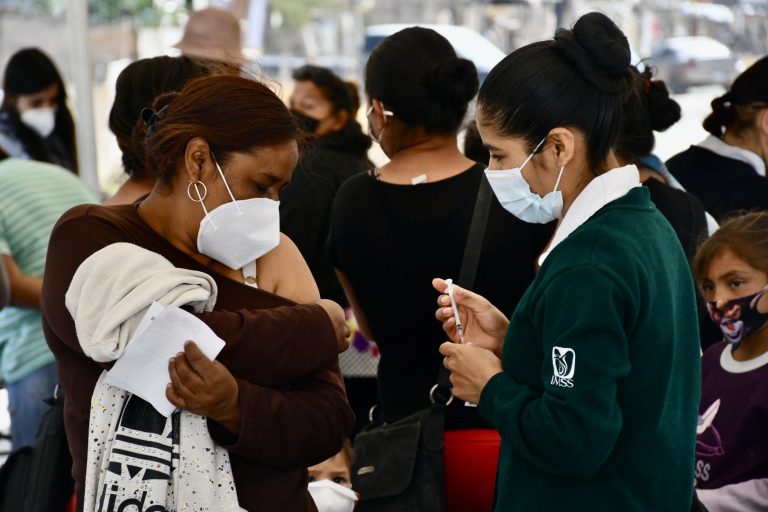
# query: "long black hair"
[580,79]
[30,71]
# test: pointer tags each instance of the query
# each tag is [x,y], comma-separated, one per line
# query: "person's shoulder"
[711,357]
[357,188]
[664,194]
[93,218]
[698,158]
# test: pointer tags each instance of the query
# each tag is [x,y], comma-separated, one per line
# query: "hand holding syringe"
[457,318]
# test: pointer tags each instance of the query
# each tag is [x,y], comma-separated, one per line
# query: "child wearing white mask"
[330,483]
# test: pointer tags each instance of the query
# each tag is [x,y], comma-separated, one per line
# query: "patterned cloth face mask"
[738,318]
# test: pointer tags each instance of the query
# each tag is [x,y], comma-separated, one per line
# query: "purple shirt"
[732,442]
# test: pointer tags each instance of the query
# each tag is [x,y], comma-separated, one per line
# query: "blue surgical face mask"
[515,195]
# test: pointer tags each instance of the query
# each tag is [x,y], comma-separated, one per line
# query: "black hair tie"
[150,118]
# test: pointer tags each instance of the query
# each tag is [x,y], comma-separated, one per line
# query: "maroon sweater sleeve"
[297,427]
[268,346]
[289,353]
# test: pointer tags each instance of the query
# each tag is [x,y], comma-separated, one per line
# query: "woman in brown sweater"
[222,149]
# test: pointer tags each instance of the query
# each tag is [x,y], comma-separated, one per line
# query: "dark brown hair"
[342,95]
[746,236]
[232,113]
[137,87]
[737,109]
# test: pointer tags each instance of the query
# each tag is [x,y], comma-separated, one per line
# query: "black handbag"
[399,466]
[39,478]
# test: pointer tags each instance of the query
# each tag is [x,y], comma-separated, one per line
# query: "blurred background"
[697,47]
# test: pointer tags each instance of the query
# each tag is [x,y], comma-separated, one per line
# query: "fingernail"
[180,354]
[171,360]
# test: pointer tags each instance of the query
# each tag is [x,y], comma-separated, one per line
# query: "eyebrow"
[490,147]
[733,273]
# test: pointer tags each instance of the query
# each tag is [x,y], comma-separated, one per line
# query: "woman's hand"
[336,313]
[204,387]
[471,368]
[483,324]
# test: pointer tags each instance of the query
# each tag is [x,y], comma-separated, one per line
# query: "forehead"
[336,464]
[276,159]
[307,90]
[724,261]
[492,138]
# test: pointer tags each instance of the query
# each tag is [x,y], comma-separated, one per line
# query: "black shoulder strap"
[472,251]
[474,246]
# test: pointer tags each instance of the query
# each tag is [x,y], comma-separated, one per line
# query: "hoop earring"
[195,184]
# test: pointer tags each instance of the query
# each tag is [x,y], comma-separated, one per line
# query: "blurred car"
[468,44]
[694,60]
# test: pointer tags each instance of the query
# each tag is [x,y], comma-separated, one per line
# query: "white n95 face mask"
[332,497]
[516,196]
[42,120]
[237,232]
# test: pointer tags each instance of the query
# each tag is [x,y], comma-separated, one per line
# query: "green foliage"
[299,12]
[108,11]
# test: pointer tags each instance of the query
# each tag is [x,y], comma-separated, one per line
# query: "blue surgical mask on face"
[515,195]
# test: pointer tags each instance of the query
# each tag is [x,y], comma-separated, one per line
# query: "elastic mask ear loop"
[385,113]
[557,183]
[533,153]
[200,198]
[221,173]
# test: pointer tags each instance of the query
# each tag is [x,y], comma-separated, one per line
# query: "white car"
[694,60]
[468,44]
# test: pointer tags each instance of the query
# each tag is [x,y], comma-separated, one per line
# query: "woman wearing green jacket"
[593,383]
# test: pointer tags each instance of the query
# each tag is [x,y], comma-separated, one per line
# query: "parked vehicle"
[687,61]
[468,44]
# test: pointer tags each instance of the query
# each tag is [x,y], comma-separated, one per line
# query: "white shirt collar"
[599,192]
[722,148]
[729,364]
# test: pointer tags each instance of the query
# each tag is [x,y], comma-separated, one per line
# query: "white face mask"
[42,120]
[515,195]
[377,138]
[332,497]
[237,232]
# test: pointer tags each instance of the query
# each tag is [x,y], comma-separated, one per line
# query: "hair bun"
[454,81]
[663,111]
[721,115]
[599,50]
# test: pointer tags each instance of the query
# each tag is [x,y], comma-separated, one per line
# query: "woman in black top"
[649,109]
[394,229]
[35,121]
[727,170]
[325,107]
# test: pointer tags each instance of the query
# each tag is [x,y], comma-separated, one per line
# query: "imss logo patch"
[563,366]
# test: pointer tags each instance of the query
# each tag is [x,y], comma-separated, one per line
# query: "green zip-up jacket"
[597,404]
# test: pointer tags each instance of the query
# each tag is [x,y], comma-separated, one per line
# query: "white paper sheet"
[143,367]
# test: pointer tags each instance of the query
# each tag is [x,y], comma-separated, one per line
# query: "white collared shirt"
[720,147]
[599,192]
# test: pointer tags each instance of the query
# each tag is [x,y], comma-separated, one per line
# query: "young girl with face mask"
[731,270]
[35,121]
